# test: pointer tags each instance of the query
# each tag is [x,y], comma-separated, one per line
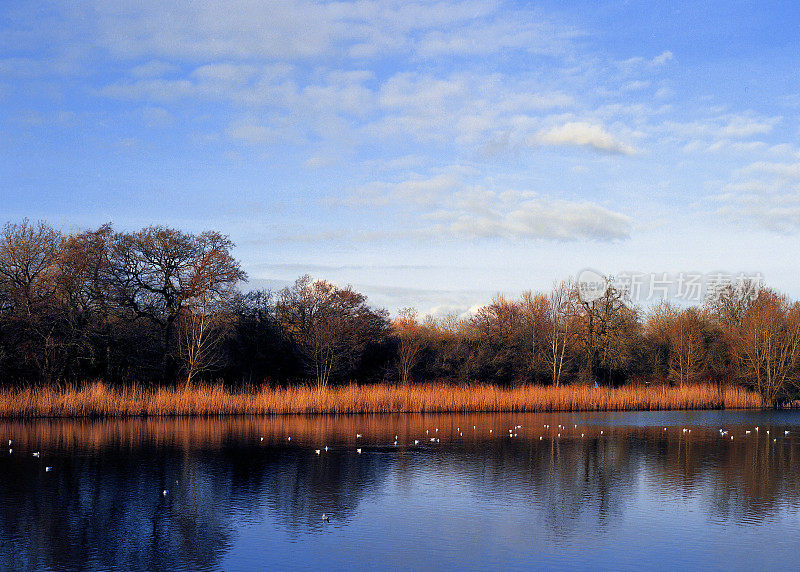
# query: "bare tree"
[202,327]
[28,273]
[157,272]
[535,332]
[687,347]
[408,331]
[767,345]
[607,329]
[330,326]
[28,294]
[561,316]
[501,350]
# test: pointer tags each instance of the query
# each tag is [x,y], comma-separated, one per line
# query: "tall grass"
[99,400]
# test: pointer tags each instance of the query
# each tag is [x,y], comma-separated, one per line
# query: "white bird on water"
[325,517]
[164,492]
[36,454]
[48,469]
[358,451]
[316,451]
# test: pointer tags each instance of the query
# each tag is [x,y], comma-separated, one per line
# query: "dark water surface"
[614,491]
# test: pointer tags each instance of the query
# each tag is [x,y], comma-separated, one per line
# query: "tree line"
[160,305]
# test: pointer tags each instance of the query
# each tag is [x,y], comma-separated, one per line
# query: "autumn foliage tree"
[607,329]
[160,305]
[409,334]
[330,326]
[766,344]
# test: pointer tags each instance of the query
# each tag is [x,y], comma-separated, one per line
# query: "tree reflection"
[103,504]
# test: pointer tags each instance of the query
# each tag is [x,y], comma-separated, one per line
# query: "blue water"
[638,491]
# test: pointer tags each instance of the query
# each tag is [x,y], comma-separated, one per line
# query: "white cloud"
[417,191]
[729,126]
[225,72]
[767,194]
[449,207]
[157,117]
[583,134]
[252,133]
[162,90]
[782,170]
[724,146]
[318,162]
[536,218]
[292,29]
[636,85]
[662,58]
[515,31]
[639,64]
[153,69]
[740,127]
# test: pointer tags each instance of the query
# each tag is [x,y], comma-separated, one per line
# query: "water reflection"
[103,505]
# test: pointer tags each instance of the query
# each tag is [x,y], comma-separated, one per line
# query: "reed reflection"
[103,505]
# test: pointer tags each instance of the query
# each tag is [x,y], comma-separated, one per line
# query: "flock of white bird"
[512,433]
[36,454]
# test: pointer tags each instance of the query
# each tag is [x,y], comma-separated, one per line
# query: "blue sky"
[428,153]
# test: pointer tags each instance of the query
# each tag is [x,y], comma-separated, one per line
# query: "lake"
[640,490]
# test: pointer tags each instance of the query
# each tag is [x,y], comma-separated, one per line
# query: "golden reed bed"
[99,400]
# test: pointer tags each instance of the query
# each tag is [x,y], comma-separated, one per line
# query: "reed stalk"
[99,400]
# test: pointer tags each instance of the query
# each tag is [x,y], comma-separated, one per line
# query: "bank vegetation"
[159,321]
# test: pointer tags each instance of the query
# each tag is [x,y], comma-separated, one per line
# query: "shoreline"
[97,400]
